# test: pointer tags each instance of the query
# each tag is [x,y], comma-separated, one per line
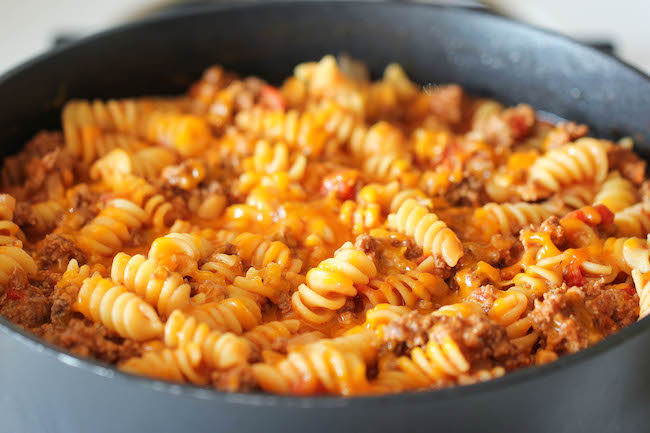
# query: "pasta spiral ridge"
[263,336]
[360,216]
[47,214]
[113,305]
[415,194]
[14,258]
[228,266]
[165,290]
[259,252]
[237,314]
[331,283]
[617,193]
[583,160]
[147,163]
[180,252]
[391,167]
[10,233]
[642,285]
[112,228]
[405,289]
[634,220]
[435,361]
[510,218]
[219,350]
[181,365]
[433,235]
[335,366]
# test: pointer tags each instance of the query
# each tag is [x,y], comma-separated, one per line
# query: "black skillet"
[602,389]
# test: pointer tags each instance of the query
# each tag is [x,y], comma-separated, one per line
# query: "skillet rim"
[510,379]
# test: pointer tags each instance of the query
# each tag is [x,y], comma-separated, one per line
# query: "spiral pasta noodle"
[617,193]
[218,350]
[147,163]
[263,336]
[115,307]
[259,252]
[112,228]
[187,134]
[161,288]
[15,258]
[237,314]
[405,289]
[47,214]
[333,235]
[331,283]
[181,252]
[181,365]
[337,366]
[228,266]
[428,231]
[361,217]
[510,218]
[634,220]
[583,160]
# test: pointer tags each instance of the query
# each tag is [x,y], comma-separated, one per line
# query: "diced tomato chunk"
[606,215]
[342,183]
[573,274]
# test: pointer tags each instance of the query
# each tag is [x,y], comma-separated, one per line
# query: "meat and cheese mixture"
[333,235]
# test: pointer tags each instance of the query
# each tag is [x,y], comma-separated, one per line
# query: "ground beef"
[55,251]
[627,163]
[283,302]
[500,251]
[23,215]
[510,126]
[90,340]
[42,173]
[612,308]
[440,268]
[558,234]
[22,303]
[481,340]
[564,133]
[44,142]
[572,318]
[84,203]
[468,192]
[484,296]
[447,103]
[369,245]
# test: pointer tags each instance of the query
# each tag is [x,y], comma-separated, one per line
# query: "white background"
[28,26]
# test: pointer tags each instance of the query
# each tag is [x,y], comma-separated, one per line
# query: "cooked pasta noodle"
[331,235]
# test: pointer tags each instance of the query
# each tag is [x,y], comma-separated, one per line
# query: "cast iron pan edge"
[40,347]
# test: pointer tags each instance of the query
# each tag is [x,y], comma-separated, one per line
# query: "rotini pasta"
[329,284]
[332,235]
[161,288]
[428,231]
[102,300]
[584,160]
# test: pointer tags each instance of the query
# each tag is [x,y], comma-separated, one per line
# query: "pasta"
[333,235]
[428,231]
[161,288]
[102,300]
